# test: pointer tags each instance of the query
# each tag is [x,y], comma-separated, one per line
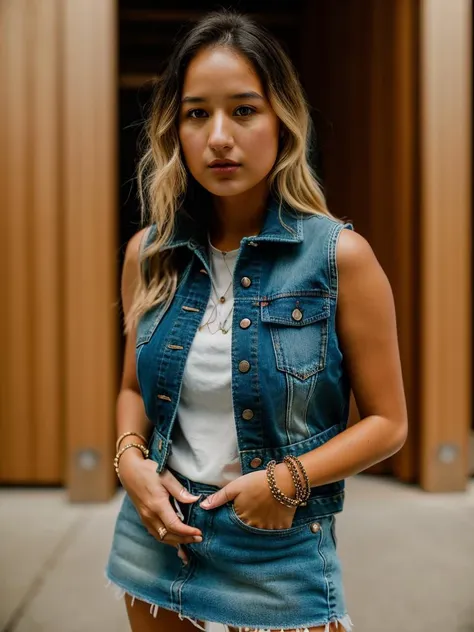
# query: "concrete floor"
[408,560]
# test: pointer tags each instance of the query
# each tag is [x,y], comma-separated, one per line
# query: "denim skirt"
[239,575]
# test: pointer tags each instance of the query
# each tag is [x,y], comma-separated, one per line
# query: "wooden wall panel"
[46,227]
[406,175]
[394,173]
[16,423]
[360,76]
[446,74]
[31,396]
[90,240]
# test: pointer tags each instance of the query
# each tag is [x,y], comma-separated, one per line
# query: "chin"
[227,188]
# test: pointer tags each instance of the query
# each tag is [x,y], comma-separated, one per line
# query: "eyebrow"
[241,95]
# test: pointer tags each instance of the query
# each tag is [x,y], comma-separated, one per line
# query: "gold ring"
[162,532]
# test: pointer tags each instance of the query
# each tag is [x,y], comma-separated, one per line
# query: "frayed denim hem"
[344,622]
[154,608]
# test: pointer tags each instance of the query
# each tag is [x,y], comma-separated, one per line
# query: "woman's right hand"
[150,493]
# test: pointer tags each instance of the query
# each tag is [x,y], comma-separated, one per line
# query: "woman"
[250,312]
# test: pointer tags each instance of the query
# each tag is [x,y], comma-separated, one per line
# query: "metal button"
[245,323]
[256,462]
[296,314]
[245,282]
[247,414]
[244,366]
[315,527]
[160,444]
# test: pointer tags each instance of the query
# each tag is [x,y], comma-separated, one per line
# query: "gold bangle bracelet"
[139,446]
[127,434]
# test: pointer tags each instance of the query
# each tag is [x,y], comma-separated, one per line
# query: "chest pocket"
[299,330]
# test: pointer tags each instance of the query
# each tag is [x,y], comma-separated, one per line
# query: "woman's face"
[225,116]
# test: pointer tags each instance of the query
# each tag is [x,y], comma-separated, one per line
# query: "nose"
[220,135]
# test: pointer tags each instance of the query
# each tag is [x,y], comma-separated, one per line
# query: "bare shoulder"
[365,298]
[359,271]
[353,251]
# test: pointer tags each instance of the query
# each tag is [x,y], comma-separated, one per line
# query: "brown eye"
[195,114]
[247,110]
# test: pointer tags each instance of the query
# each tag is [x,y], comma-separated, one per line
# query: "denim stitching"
[321,554]
[313,292]
[312,388]
[289,406]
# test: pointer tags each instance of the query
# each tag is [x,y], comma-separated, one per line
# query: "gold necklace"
[221,299]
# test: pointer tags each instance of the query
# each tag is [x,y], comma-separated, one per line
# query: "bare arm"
[150,492]
[366,327]
[130,410]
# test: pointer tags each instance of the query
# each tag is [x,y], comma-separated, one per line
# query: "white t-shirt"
[204,437]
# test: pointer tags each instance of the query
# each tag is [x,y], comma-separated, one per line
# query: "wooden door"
[390,82]
[32,323]
[58,256]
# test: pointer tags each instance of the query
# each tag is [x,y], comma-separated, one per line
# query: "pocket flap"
[295,311]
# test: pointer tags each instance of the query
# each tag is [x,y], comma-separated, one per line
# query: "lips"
[223,163]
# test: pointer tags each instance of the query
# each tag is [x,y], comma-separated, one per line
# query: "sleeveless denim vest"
[290,391]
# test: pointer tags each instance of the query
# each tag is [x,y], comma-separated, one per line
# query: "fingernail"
[189,495]
[197,538]
[206,502]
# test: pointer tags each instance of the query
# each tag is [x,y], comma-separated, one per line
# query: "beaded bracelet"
[276,491]
[141,447]
[302,494]
[127,434]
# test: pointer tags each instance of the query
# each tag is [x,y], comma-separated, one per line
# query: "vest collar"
[283,225]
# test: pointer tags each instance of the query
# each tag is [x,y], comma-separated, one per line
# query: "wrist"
[130,437]
[284,480]
[129,461]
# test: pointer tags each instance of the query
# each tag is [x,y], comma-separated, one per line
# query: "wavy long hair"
[164,184]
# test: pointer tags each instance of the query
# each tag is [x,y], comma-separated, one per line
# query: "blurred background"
[389,83]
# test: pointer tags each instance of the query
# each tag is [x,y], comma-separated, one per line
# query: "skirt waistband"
[192,486]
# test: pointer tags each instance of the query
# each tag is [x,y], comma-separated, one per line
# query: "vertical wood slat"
[16,424]
[46,226]
[392,209]
[4,267]
[90,93]
[31,404]
[405,192]
[360,73]
[446,67]
[380,211]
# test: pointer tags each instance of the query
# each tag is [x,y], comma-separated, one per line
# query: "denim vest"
[290,391]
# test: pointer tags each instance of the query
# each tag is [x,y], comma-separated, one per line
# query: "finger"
[224,495]
[176,489]
[173,523]
[174,540]
[170,538]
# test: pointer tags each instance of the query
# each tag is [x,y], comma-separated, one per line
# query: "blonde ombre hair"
[165,185]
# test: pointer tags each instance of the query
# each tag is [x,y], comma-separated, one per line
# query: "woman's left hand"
[253,501]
